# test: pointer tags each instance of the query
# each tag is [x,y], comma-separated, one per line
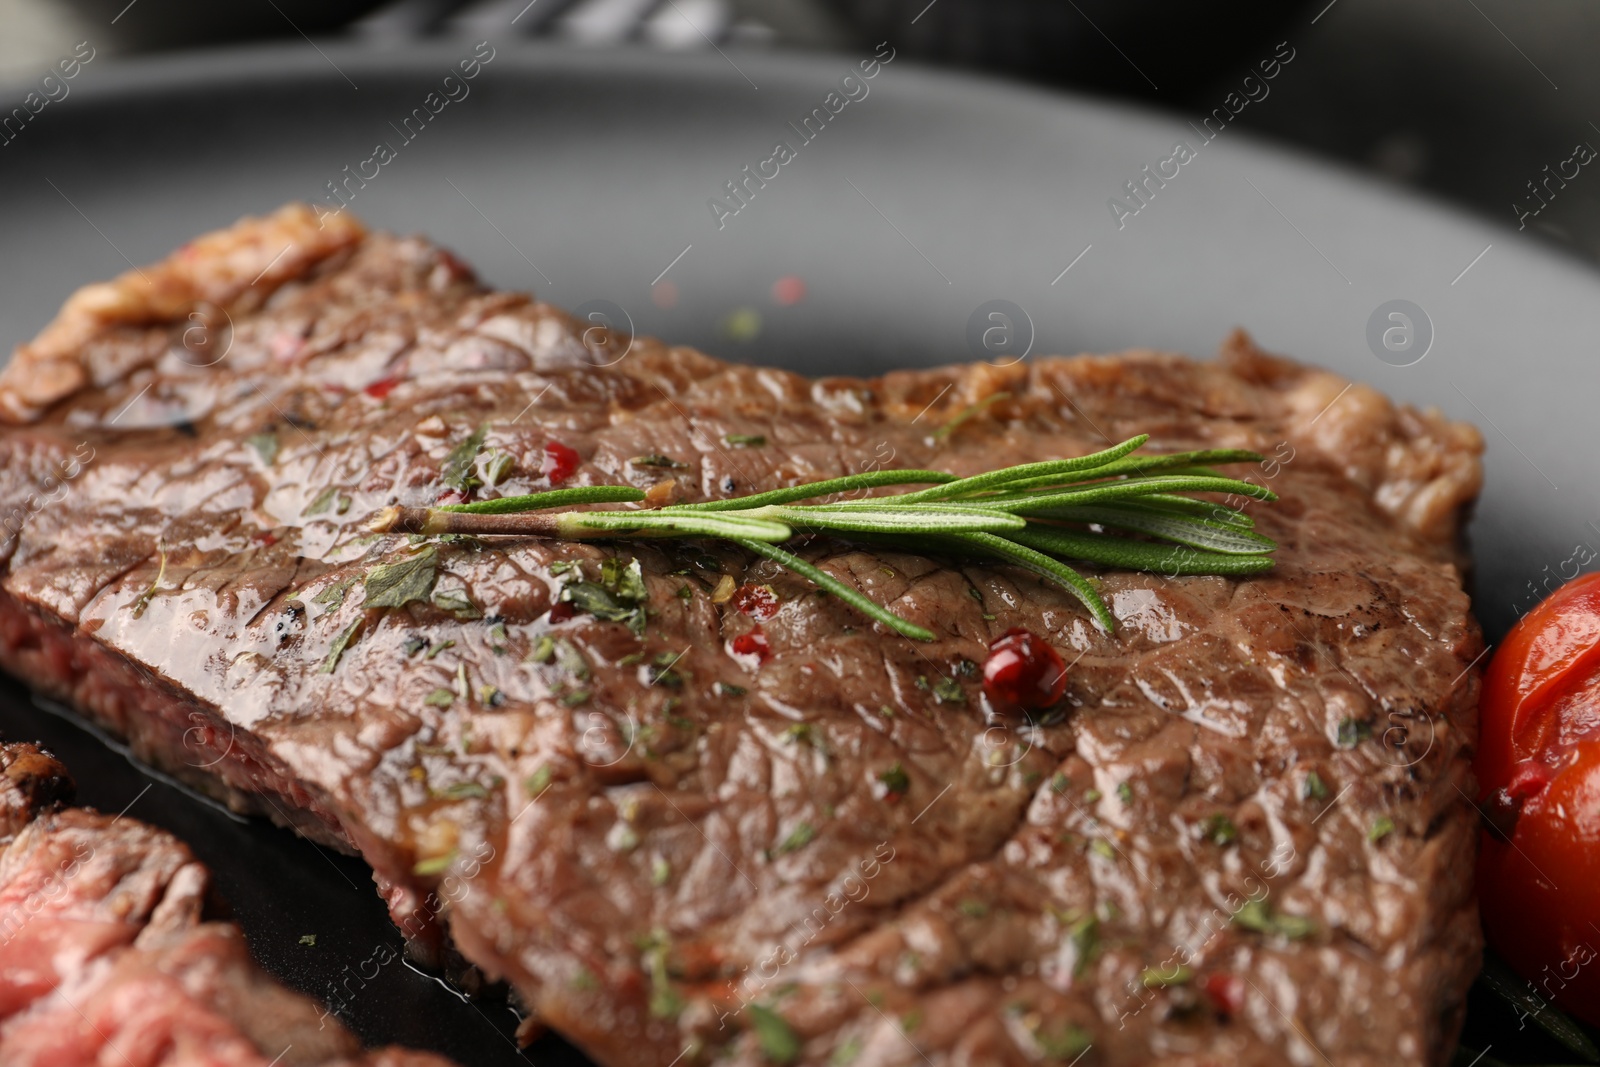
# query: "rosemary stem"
[438,521]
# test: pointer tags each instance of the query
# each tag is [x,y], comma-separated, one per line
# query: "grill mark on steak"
[640,860]
[107,953]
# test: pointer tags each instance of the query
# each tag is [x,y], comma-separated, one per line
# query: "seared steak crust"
[1242,838]
[105,957]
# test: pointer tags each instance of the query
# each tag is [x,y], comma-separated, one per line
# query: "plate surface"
[586,176]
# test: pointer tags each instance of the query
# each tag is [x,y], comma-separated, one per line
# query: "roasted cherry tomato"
[1538,768]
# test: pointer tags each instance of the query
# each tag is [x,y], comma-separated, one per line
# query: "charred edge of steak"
[231,271]
[31,781]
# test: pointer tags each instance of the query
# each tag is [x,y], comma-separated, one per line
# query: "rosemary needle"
[1033,515]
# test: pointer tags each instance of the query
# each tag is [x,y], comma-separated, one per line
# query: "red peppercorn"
[1024,671]
[559,462]
[751,649]
[562,611]
[1225,991]
[756,601]
[381,388]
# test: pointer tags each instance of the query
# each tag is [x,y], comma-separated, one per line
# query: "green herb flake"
[396,584]
[622,838]
[413,645]
[497,467]
[1162,977]
[745,440]
[1084,937]
[1064,1044]
[619,596]
[949,691]
[457,603]
[561,566]
[1125,792]
[569,660]
[1219,829]
[433,652]
[440,698]
[1102,848]
[1381,829]
[333,595]
[1352,732]
[309,940]
[655,459]
[538,781]
[801,836]
[1091,795]
[775,1037]
[665,1002]
[322,502]
[626,580]
[896,781]
[597,601]
[460,466]
[1060,783]
[728,689]
[576,699]
[973,909]
[685,592]
[1257,916]
[346,637]
[660,872]
[464,791]
[266,446]
[1315,788]
[583,981]
[435,865]
[847,1051]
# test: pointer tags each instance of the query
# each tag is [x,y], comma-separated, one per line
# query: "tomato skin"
[1554,645]
[1540,892]
[1538,768]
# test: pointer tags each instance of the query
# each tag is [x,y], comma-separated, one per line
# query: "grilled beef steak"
[105,957]
[700,812]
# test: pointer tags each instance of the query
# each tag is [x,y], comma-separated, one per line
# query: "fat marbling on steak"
[107,955]
[752,829]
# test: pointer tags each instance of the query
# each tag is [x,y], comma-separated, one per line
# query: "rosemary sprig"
[1034,515]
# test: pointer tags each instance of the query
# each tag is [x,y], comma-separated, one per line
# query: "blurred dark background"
[1468,99]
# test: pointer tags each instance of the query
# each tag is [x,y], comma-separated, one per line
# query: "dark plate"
[585,175]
